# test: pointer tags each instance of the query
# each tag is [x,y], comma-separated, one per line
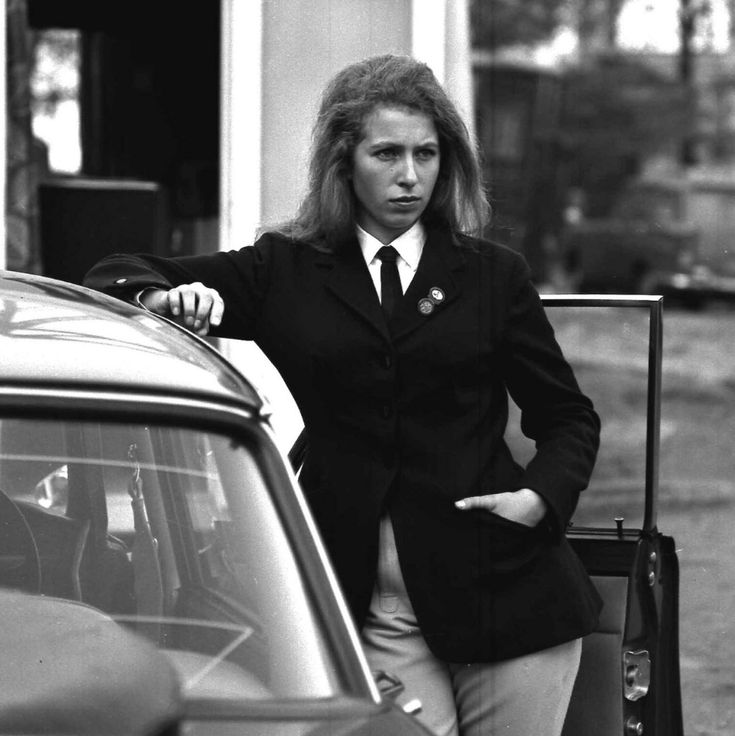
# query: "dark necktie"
[390,282]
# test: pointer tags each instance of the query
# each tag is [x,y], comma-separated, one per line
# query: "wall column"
[440,37]
[240,122]
[3,137]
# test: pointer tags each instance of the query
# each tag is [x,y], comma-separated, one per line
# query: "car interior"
[135,521]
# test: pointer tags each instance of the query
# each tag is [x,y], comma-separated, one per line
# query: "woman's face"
[395,167]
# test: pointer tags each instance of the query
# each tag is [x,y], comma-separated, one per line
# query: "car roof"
[58,334]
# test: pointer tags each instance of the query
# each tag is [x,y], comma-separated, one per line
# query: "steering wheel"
[20,566]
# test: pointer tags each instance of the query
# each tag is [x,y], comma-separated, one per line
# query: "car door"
[629,674]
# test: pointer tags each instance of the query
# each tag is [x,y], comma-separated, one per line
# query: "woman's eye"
[387,154]
[426,154]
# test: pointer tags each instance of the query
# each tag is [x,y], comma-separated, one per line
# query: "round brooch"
[436,294]
[426,305]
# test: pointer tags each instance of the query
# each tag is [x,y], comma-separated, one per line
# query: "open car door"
[628,683]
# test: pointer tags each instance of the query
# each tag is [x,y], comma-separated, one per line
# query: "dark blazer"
[410,418]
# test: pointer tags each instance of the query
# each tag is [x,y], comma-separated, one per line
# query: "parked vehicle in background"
[696,286]
[671,236]
[159,569]
[648,235]
[710,206]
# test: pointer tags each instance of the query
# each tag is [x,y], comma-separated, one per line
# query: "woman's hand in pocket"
[523,506]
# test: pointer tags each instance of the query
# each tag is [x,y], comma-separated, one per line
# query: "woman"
[452,556]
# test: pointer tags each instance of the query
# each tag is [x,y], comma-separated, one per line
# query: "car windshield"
[173,534]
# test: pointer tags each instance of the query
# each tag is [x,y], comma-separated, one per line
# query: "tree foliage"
[619,112]
[500,23]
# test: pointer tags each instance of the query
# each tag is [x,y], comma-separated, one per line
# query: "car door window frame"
[654,305]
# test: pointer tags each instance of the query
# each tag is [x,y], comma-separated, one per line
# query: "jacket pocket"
[507,546]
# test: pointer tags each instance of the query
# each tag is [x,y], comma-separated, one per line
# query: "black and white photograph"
[366,368]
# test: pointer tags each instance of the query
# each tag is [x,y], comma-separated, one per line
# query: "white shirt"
[409,245]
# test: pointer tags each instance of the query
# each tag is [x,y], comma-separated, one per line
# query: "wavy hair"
[326,215]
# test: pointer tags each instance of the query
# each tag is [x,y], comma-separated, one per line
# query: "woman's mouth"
[405,201]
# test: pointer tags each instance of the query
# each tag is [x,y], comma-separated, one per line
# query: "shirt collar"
[409,245]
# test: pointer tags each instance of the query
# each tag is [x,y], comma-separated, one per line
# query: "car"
[649,231]
[160,571]
[694,287]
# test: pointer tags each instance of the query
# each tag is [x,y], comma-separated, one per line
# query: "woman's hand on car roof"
[194,306]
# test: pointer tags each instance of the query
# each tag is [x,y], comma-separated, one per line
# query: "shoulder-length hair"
[326,215]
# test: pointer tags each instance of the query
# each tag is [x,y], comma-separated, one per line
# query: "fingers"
[487,503]
[524,506]
[196,306]
[217,311]
[155,300]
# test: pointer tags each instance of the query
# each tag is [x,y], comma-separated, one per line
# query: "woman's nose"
[407,174]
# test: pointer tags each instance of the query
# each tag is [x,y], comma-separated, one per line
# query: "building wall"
[277,57]
[304,43]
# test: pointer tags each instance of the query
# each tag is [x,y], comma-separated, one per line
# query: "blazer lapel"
[441,260]
[350,282]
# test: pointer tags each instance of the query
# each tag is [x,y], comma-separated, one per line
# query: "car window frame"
[654,305]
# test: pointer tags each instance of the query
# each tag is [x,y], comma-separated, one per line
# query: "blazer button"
[387,411]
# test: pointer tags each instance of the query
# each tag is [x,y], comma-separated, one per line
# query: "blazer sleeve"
[241,277]
[554,411]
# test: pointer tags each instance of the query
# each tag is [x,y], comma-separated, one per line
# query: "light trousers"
[526,696]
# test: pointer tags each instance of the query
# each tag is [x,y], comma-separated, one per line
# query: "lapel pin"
[426,305]
[436,295]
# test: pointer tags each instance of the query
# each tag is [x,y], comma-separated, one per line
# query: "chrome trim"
[327,567]
[601,300]
[637,674]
